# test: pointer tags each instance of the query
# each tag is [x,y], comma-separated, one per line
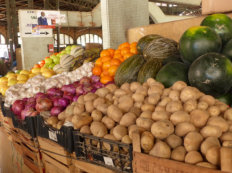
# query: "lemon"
[48,74]
[35,70]
[3,80]
[10,75]
[32,75]
[44,69]
[3,90]
[21,81]
[22,77]
[12,82]
[24,72]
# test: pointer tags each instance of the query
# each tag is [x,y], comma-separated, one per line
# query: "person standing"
[42,20]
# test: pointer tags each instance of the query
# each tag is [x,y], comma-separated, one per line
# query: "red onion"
[75,98]
[56,101]
[30,105]
[85,81]
[63,102]
[95,78]
[31,99]
[25,99]
[56,110]
[94,90]
[43,104]
[98,85]
[17,107]
[40,95]
[87,89]
[76,83]
[79,90]
[27,112]
[69,97]
[54,92]
[69,88]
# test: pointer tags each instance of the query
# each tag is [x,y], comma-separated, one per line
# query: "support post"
[30,4]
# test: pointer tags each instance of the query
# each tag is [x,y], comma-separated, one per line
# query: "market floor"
[10,160]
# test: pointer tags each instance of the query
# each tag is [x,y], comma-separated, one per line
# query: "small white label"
[108,161]
[52,136]
[68,124]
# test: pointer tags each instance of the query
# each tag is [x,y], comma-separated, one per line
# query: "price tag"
[68,124]
[108,161]
[52,135]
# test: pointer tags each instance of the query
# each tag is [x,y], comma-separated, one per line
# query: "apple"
[53,56]
[68,48]
[51,65]
[48,61]
[56,60]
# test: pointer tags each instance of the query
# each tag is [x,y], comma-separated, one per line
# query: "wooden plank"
[136,142]
[226,159]
[29,163]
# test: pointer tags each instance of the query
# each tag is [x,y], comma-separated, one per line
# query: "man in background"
[42,20]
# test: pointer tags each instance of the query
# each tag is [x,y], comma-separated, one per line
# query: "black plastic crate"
[63,137]
[90,148]
[5,111]
[28,125]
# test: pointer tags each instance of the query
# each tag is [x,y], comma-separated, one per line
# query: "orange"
[133,50]
[98,62]
[111,52]
[105,73]
[104,53]
[106,58]
[41,65]
[124,45]
[134,44]
[106,65]
[112,70]
[128,55]
[117,52]
[125,51]
[115,61]
[97,70]
[36,66]
[117,56]
[106,79]
[47,57]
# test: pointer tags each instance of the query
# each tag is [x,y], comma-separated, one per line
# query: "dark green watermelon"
[173,58]
[211,73]
[197,41]
[227,49]
[227,98]
[172,72]
[221,24]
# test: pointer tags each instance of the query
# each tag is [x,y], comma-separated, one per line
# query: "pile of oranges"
[110,59]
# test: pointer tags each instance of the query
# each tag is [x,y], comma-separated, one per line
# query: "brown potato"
[202,105]
[125,87]
[148,107]
[228,114]
[102,108]
[126,139]
[162,129]
[179,85]
[98,129]
[178,154]
[98,101]
[174,106]
[119,92]
[135,129]
[208,143]
[193,157]
[227,136]
[80,99]
[80,121]
[174,141]
[219,122]
[160,108]
[211,131]
[134,86]
[119,132]
[115,113]
[89,106]
[192,141]
[199,117]
[85,129]
[213,155]
[142,90]
[153,99]
[166,92]
[79,109]
[144,123]
[160,115]
[107,145]
[90,96]
[214,111]
[164,101]
[190,105]
[146,114]
[109,123]
[188,93]
[102,92]
[183,128]
[138,97]
[227,144]
[147,141]
[155,89]
[96,115]
[179,117]
[161,149]
[174,95]
[136,111]
[128,119]
[208,99]
[125,103]
[111,87]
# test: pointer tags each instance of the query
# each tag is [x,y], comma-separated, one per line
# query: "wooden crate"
[52,165]
[144,163]
[55,151]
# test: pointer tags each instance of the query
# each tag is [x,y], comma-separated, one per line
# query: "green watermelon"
[211,73]
[221,24]
[171,59]
[172,72]
[197,41]
[227,98]
[227,49]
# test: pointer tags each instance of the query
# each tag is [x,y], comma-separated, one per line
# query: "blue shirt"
[42,21]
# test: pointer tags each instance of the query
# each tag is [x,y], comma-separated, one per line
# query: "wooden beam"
[46,4]
[30,4]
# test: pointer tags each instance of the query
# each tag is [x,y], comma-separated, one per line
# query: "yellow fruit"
[12,82]
[48,74]
[3,90]
[35,70]
[21,81]
[32,75]
[22,77]
[10,75]
[44,69]
[25,72]
[3,80]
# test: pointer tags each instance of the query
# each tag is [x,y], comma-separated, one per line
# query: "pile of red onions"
[55,100]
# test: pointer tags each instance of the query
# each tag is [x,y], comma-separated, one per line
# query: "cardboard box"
[216,6]
[173,30]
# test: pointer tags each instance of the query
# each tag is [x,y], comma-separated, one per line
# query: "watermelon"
[211,73]
[172,72]
[171,59]
[221,24]
[227,98]
[197,41]
[227,49]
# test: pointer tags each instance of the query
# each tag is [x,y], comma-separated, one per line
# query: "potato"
[111,87]
[115,113]
[80,99]
[102,92]
[190,105]
[208,99]
[219,122]
[151,81]
[174,95]
[102,108]
[90,96]
[119,92]
[59,124]
[174,106]
[188,93]
[179,85]
[211,131]
[174,141]
[206,165]
[213,155]
[128,119]
[192,141]
[160,108]
[147,141]
[161,149]
[179,117]
[85,129]
[160,115]
[136,111]
[146,114]
[155,89]
[135,129]
[138,104]
[199,117]
[166,92]
[119,132]
[138,97]
[62,115]
[193,157]
[126,139]
[222,106]
[227,144]
[227,136]
[164,101]
[228,114]
[142,90]
[208,143]
[69,111]
[98,101]
[96,115]
[134,86]
[183,128]
[144,123]
[109,97]
[153,99]
[79,109]
[89,106]
[107,145]
[148,107]
[52,120]
[80,121]
[202,105]
[68,119]
[214,111]
[158,84]
[125,103]
[109,123]
[178,154]
[162,129]
[98,129]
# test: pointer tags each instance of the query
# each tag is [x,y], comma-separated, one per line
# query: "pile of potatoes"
[179,123]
